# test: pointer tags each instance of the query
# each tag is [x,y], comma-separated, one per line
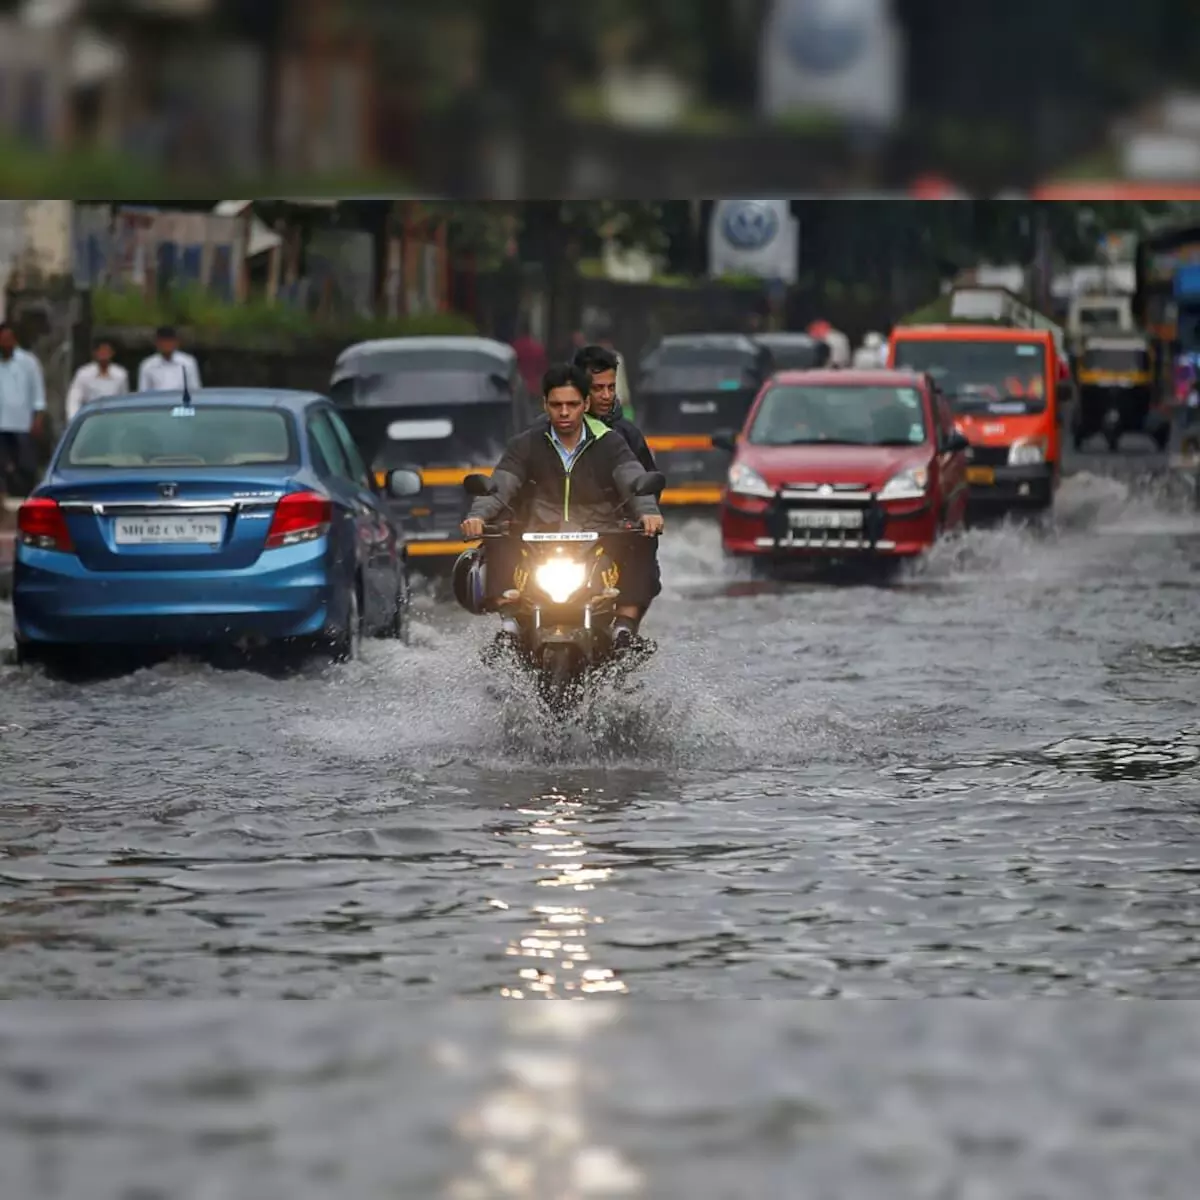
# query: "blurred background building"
[645,97]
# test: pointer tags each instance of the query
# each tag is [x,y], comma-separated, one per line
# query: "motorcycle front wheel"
[557,677]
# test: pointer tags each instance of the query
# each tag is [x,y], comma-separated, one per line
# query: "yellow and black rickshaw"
[443,406]
[690,387]
[1116,391]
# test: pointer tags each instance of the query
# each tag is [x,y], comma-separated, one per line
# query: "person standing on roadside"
[170,368]
[101,377]
[22,413]
[532,360]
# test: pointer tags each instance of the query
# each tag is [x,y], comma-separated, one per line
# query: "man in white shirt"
[166,370]
[100,377]
[22,413]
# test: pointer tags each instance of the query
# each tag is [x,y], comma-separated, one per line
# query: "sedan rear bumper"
[56,600]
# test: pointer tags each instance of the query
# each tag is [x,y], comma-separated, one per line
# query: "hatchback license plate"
[826,520]
[168,531]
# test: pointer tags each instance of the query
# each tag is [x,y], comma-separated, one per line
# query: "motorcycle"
[565,598]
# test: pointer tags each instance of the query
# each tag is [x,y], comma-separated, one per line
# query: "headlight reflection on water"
[562,965]
[530,1135]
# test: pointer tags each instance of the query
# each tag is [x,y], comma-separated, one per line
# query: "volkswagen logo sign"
[824,490]
[749,224]
[168,491]
[821,39]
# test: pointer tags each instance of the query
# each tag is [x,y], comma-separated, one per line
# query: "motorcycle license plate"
[830,519]
[985,475]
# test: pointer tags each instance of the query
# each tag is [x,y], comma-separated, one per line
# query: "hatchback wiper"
[823,441]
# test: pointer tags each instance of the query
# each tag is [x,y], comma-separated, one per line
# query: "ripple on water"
[978,782]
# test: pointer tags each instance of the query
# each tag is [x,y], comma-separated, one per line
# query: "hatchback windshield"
[976,374]
[844,414]
[183,437]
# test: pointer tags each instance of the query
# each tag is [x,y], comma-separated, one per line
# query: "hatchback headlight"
[907,485]
[746,481]
[560,578]
[1026,454]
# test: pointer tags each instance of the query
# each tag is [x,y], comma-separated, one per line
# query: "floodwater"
[982,782]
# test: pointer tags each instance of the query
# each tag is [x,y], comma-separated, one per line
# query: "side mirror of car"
[724,440]
[955,443]
[402,482]
[479,485]
[650,484]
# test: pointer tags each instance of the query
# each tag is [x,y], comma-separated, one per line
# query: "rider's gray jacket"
[531,475]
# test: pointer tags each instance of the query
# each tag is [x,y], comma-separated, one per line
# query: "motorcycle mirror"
[402,482]
[724,440]
[479,485]
[650,484]
[955,442]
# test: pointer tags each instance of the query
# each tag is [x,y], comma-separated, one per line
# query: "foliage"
[593,268]
[630,223]
[203,314]
[479,229]
[27,173]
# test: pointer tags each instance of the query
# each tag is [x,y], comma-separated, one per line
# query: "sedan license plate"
[825,520]
[981,475]
[168,531]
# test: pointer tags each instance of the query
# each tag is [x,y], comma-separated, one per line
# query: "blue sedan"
[235,517]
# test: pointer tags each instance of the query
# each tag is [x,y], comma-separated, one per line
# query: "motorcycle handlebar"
[628,530]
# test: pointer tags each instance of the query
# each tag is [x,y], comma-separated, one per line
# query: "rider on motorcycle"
[577,472]
[602,365]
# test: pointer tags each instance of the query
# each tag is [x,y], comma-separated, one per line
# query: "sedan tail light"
[41,523]
[300,517]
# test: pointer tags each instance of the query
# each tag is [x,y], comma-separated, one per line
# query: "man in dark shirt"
[603,403]
[602,364]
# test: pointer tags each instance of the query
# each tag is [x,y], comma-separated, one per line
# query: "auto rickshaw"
[1116,393]
[442,406]
[690,387]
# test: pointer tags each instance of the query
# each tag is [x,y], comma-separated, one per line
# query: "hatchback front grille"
[825,518]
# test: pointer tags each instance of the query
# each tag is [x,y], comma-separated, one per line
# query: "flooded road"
[983,782]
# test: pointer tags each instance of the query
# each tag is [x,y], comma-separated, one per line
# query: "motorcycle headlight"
[746,481]
[560,578]
[1026,454]
[907,485]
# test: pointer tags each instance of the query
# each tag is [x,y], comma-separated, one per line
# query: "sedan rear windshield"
[183,437]
[843,415]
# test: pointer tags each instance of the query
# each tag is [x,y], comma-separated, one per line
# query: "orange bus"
[1002,384]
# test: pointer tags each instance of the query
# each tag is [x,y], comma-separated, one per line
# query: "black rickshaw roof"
[375,356]
[708,341]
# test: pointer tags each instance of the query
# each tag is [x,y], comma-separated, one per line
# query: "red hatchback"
[844,464]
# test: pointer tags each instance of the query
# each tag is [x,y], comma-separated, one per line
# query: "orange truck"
[1002,368]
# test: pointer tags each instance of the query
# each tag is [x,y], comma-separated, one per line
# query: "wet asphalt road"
[982,782]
